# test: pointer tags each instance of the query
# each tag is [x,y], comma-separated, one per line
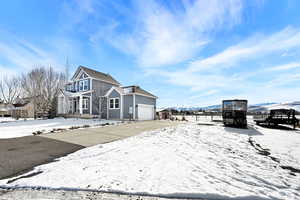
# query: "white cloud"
[162,36]
[288,66]
[213,73]
[253,47]
[19,55]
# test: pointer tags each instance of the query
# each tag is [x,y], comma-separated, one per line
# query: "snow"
[191,160]
[20,128]
[290,105]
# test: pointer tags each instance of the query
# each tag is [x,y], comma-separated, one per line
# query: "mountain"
[261,107]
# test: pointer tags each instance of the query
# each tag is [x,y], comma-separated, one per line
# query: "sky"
[186,52]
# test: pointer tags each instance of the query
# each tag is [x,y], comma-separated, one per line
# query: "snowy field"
[10,119]
[20,128]
[190,160]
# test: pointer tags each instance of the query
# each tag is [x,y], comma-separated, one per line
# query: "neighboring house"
[91,93]
[23,108]
[6,109]
[164,114]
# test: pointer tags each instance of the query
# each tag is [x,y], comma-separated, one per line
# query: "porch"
[75,104]
[80,105]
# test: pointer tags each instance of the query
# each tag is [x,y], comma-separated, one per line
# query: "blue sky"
[189,53]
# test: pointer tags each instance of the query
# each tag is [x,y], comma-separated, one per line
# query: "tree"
[42,85]
[10,89]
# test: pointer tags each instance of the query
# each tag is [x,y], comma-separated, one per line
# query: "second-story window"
[86,84]
[80,85]
[76,86]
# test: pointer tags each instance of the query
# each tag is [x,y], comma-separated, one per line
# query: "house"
[91,93]
[164,113]
[6,109]
[23,109]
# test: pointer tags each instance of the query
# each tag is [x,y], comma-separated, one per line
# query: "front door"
[75,105]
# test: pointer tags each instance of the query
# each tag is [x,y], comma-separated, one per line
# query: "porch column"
[91,105]
[80,104]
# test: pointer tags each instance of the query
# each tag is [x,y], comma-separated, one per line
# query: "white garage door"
[145,112]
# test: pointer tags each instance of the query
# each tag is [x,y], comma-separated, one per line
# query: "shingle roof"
[99,75]
[138,89]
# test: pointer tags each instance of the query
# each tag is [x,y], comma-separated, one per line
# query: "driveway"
[18,155]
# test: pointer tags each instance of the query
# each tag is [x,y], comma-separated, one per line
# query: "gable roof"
[97,75]
[138,90]
[118,89]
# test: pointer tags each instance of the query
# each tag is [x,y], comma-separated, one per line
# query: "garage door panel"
[145,112]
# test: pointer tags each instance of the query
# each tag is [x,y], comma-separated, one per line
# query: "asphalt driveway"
[18,155]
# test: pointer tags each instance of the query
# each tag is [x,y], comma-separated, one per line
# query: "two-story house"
[91,93]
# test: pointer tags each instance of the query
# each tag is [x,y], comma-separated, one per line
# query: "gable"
[80,74]
[114,94]
[83,75]
[95,75]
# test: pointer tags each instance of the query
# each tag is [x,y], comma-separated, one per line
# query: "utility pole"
[67,68]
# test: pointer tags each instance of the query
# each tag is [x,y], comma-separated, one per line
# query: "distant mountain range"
[261,107]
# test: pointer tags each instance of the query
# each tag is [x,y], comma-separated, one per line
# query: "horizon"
[188,53]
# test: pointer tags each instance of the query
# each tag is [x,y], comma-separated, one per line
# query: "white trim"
[81,71]
[133,106]
[80,104]
[114,103]
[121,113]
[146,105]
[84,104]
[112,89]
[91,102]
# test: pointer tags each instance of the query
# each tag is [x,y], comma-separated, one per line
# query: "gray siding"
[143,100]
[100,89]
[114,113]
[127,102]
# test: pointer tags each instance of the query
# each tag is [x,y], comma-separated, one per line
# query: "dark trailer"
[234,112]
[278,116]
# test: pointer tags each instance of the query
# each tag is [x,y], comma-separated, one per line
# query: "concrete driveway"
[18,155]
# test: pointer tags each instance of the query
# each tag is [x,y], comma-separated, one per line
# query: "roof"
[137,89]
[6,107]
[98,75]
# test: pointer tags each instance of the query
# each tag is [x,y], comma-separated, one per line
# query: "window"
[80,85]
[76,86]
[114,103]
[84,104]
[111,103]
[86,84]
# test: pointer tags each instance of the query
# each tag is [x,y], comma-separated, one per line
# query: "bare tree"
[10,89]
[42,85]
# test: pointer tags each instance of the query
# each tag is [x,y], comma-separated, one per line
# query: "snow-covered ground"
[190,160]
[10,119]
[22,128]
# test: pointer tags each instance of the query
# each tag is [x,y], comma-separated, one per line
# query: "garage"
[145,112]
